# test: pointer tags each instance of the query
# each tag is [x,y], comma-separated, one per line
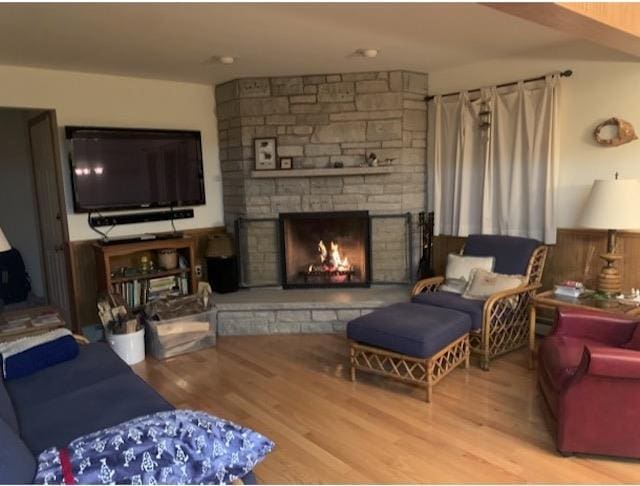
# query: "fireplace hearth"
[326,249]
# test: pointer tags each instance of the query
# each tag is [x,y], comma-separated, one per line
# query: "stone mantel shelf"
[328,172]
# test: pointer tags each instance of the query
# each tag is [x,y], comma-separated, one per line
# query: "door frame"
[53,128]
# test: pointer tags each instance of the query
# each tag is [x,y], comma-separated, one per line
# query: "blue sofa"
[55,405]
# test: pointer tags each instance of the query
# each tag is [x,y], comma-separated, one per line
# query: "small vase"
[167,259]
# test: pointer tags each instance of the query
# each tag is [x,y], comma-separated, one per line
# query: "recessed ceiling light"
[226,59]
[369,52]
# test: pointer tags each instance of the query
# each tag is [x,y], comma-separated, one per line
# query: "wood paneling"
[575,256]
[614,25]
[480,428]
[442,246]
[84,278]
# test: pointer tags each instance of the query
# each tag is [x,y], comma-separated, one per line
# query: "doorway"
[32,213]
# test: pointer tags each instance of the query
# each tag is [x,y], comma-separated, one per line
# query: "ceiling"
[178,41]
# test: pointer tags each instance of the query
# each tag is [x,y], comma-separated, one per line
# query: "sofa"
[589,381]
[55,405]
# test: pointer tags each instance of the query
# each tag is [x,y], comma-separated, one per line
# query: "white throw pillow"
[483,284]
[459,269]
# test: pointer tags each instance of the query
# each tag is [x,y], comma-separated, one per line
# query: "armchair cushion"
[448,300]
[460,268]
[512,253]
[483,284]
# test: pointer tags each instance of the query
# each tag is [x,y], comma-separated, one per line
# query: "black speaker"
[222,272]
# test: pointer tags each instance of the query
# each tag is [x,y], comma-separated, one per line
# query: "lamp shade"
[612,204]
[4,243]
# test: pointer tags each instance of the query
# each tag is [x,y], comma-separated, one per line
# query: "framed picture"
[265,153]
[286,163]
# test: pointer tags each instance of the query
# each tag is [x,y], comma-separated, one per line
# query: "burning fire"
[330,260]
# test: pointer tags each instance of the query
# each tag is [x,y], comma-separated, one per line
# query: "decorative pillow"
[30,354]
[634,342]
[482,284]
[173,447]
[459,269]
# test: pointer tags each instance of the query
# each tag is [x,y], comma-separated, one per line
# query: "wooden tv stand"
[109,258]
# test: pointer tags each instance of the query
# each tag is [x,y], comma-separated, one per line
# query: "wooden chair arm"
[427,285]
[505,307]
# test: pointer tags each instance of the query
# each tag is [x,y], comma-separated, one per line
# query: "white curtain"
[495,161]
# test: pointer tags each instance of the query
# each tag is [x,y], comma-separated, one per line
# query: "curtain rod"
[565,74]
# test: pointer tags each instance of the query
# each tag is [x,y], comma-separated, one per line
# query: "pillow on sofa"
[17,464]
[459,270]
[172,447]
[30,354]
[482,284]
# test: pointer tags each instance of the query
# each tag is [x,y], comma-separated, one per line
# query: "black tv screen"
[114,168]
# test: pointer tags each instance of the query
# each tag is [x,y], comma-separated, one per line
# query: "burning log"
[332,264]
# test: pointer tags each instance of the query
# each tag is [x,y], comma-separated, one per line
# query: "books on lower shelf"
[138,292]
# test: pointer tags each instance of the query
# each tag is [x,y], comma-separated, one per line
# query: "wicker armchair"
[505,319]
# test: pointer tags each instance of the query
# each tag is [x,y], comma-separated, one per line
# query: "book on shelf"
[137,293]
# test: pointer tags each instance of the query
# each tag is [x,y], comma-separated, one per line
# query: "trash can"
[222,264]
[130,347]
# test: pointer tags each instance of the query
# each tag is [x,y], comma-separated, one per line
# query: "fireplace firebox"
[328,249]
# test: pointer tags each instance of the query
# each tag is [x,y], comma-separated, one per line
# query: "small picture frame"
[265,150]
[286,163]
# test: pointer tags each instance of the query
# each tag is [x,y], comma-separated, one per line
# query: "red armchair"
[589,378]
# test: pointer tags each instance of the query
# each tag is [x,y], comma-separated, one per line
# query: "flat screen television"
[119,168]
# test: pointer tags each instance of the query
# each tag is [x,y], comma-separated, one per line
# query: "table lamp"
[4,243]
[612,205]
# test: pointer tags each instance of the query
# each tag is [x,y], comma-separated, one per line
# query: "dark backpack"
[14,280]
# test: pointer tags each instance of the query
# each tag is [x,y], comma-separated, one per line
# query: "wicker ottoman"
[414,343]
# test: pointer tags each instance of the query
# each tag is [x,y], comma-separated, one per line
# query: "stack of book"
[137,293]
[569,288]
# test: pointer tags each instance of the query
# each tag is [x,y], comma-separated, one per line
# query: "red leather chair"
[589,378]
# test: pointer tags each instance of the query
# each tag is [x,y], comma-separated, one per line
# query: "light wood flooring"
[480,427]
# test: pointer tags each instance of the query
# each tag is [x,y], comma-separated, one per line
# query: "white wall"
[103,100]
[604,84]
[18,216]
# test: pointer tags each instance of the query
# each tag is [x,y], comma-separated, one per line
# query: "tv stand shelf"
[109,258]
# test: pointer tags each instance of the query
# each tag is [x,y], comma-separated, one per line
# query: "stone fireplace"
[327,124]
[325,249]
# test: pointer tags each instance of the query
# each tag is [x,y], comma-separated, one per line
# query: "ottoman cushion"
[416,330]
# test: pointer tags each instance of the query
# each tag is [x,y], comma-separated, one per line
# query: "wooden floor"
[480,427]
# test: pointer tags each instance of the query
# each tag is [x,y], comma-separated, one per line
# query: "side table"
[549,300]
[28,322]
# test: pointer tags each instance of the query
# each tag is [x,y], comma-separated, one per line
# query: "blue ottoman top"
[416,330]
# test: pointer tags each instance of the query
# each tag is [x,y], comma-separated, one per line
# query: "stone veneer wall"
[319,120]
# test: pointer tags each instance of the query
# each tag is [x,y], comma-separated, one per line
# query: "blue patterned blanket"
[174,447]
